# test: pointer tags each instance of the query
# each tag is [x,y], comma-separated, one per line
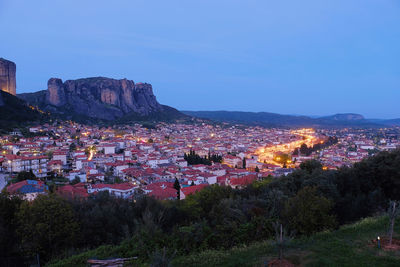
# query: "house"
[243,181]
[123,190]
[182,163]
[55,166]
[38,164]
[76,173]
[161,190]
[29,189]
[60,155]
[232,161]
[186,191]
[73,191]
[210,178]
[109,149]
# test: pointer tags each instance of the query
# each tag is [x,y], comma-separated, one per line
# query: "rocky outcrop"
[100,97]
[1,100]
[7,76]
[55,94]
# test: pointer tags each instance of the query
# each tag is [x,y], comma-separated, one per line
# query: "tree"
[161,258]
[192,158]
[393,213]
[307,212]
[72,147]
[177,186]
[76,180]
[311,165]
[305,150]
[46,226]
[9,241]
[281,238]
[24,175]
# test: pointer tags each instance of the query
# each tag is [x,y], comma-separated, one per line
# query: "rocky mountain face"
[1,100]
[98,97]
[8,76]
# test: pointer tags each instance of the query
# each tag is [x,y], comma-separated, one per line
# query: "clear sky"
[312,57]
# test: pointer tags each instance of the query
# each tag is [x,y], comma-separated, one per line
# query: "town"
[170,161]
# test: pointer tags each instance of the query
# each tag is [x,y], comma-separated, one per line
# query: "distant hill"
[101,99]
[395,122]
[15,112]
[274,119]
[345,117]
[252,118]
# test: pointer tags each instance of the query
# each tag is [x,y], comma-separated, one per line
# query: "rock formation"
[7,76]
[55,94]
[102,98]
[1,100]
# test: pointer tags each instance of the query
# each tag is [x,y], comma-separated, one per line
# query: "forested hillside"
[15,112]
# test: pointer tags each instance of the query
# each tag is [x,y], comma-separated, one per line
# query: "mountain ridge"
[276,119]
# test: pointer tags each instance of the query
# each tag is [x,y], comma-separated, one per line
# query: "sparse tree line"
[304,202]
[306,151]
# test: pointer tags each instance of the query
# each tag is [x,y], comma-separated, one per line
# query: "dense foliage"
[306,201]
[192,158]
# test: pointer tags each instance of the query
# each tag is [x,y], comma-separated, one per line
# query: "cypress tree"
[177,186]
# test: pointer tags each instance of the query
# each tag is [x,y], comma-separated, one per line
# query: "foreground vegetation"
[349,246]
[219,220]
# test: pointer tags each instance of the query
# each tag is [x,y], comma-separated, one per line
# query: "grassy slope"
[348,246]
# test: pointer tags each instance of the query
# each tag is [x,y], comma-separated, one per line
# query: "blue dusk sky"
[308,57]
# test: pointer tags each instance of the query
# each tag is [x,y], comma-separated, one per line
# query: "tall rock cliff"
[7,76]
[1,100]
[98,97]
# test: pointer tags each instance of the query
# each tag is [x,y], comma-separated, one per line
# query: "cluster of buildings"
[132,160]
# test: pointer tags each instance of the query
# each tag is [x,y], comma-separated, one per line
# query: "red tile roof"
[77,190]
[193,189]
[245,180]
[123,186]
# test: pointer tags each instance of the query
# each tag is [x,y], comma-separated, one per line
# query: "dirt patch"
[395,246]
[280,263]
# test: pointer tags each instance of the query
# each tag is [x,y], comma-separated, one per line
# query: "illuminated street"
[269,154]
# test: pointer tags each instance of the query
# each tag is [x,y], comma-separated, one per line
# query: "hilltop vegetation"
[216,219]
[16,113]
